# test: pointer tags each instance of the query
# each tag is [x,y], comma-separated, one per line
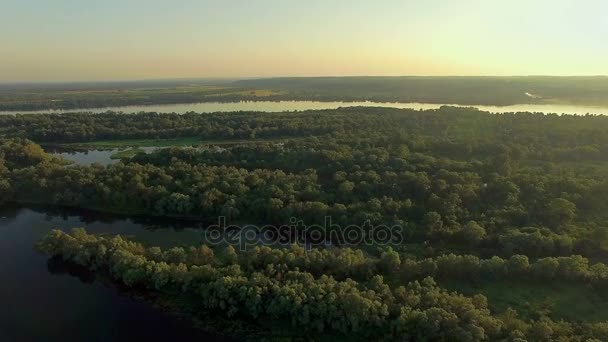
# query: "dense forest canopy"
[520,177]
[443,90]
[517,197]
[281,285]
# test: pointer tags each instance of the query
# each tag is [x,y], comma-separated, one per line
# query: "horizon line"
[239,78]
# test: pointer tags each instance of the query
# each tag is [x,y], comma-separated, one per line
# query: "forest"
[470,90]
[515,198]
[499,91]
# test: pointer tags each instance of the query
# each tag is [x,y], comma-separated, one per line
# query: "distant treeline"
[96,96]
[448,90]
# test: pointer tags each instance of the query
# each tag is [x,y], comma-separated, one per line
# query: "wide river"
[43,300]
[278,106]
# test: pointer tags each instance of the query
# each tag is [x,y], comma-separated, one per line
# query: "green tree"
[230,255]
[472,233]
[390,261]
[560,212]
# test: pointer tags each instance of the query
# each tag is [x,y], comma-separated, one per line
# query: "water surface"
[42,301]
[279,106]
[86,158]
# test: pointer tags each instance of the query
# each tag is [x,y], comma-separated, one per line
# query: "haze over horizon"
[138,40]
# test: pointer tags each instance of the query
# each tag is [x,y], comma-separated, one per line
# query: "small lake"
[44,300]
[86,158]
[279,106]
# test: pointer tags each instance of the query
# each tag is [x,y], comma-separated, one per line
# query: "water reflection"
[56,266]
[280,106]
[52,301]
[89,157]
[94,218]
[86,158]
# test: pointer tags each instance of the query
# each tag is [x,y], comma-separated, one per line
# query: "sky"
[88,40]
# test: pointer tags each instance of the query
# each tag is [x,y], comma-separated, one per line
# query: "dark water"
[42,301]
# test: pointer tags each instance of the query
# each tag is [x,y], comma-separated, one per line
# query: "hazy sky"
[58,40]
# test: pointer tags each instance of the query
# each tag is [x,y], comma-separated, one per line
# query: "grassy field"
[127,153]
[558,299]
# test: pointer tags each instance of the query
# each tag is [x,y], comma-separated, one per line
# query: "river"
[279,106]
[44,301]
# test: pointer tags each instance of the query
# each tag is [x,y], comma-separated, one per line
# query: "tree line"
[372,309]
